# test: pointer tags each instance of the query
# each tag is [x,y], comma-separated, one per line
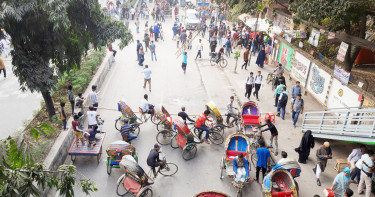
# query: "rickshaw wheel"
[136,130]
[254,159]
[169,169]
[109,169]
[164,137]
[121,190]
[118,124]
[297,187]
[73,158]
[219,129]
[153,119]
[213,61]
[216,138]
[174,142]
[223,63]
[146,193]
[189,152]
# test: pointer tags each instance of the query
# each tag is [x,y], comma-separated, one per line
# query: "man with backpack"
[297,108]
[258,81]
[283,100]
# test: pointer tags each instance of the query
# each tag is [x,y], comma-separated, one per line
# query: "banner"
[296,33]
[342,51]
[317,83]
[300,69]
[342,97]
[341,75]
[285,56]
[314,37]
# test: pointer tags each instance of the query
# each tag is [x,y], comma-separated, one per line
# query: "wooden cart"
[75,151]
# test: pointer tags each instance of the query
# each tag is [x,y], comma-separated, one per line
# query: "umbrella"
[244,16]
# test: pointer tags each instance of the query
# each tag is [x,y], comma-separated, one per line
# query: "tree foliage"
[241,6]
[56,33]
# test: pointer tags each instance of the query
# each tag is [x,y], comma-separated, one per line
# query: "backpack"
[284,99]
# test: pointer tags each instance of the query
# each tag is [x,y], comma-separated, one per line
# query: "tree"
[50,37]
[349,16]
[21,176]
[241,6]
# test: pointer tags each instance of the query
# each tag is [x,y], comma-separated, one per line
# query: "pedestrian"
[354,156]
[279,70]
[63,115]
[283,101]
[230,112]
[141,56]
[322,155]
[213,44]
[174,29]
[358,167]
[297,108]
[341,183]
[278,91]
[204,28]
[132,12]
[156,32]
[245,58]
[263,161]
[274,135]
[110,48]
[190,43]
[138,47]
[71,97]
[147,72]
[258,81]
[280,79]
[228,46]
[2,68]
[94,97]
[261,57]
[200,49]
[307,142]
[78,101]
[92,117]
[151,30]
[183,37]
[184,61]
[366,174]
[137,24]
[250,81]
[147,41]
[152,49]
[296,90]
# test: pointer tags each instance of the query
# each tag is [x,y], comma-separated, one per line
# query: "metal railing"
[348,125]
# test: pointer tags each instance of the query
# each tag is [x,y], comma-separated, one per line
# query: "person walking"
[147,41]
[71,97]
[341,183]
[258,81]
[141,56]
[283,100]
[245,58]
[62,114]
[132,12]
[94,97]
[213,44]
[156,32]
[250,81]
[274,135]
[261,57]
[151,30]
[137,24]
[174,29]
[183,37]
[322,155]
[263,161]
[307,143]
[276,94]
[297,108]
[366,174]
[138,47]
[2,68]
[200,49]
[228,46]
[152,49]
[296,90]
[184,61]
[147,72]
[354,156]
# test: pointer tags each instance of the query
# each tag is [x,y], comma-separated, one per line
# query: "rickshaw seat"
[231,154]
[132,185]
[141,111]
[282,194]
[251,119]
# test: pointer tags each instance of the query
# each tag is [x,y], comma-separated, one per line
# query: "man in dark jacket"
[153,158]
[274,134]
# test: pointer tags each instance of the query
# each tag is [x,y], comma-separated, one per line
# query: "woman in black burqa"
[303,150]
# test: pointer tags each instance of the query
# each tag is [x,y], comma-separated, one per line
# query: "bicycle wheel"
[164,137]
[213,61]
[219,129]
[135,130]
[174,142]
[118,124]
[121,190]
[145,193]
[189,152]
[254,159]
[169,169]
[216,138]
[154,119]
[223,63]
[160,126]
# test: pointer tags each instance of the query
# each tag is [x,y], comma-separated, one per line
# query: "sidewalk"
[289,137]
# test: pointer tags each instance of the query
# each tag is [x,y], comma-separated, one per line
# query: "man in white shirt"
[249,85]
[200,49]
[92,117]
[132,12]
[354,156]
[258,81]
[94,97]
[146,106]
[147,72]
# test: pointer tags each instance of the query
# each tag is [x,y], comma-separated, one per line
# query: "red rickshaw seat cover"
[250,119]
[181,141]
[132,185]
[231,154]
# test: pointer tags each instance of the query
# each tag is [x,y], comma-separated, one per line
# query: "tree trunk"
[49,103]
[235,68]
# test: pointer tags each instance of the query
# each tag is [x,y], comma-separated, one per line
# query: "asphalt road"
[170,87]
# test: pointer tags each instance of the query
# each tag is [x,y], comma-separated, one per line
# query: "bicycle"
[214,136]
[166,169]
[221,62]
[146,116]
[271,78]
[135,124]
[236,123]
[254,146]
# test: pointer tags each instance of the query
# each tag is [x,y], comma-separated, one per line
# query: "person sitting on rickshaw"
[146,106]
[153,159]
[125,133]
[241,168]
[200,124]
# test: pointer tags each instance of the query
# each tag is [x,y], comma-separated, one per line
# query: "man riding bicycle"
[279,70]
[146,106]
[220,54]
[230,112]
[200,125]
[153,158]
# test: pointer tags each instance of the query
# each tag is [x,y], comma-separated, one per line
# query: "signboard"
[314,37]
[285,56]
[296,33]
[317,82]
[341,75]
[342,97]
[342,51]
[300,69]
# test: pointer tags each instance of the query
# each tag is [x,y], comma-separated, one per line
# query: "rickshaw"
[116,150]
[235,144]
[185,139]
[215,114]
[292,166]
[128,116]
[211,194]
[134,180]
[279,182]
[250,116]
[165,127]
